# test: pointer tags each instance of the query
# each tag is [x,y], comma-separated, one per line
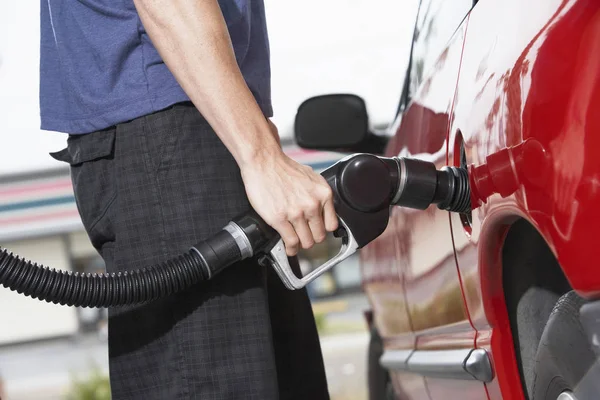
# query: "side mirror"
[336,122]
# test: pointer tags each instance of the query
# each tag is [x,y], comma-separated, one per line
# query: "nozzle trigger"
[279,260]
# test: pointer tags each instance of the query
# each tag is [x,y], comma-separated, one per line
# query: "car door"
[442,336]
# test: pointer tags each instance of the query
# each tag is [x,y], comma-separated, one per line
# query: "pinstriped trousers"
[146,191]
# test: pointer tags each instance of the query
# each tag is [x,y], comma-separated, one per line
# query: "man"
[166,103]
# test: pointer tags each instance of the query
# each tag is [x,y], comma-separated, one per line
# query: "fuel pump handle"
[364,188]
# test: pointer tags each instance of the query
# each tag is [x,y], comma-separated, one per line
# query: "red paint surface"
[525,103]
[425,271]
[453,336]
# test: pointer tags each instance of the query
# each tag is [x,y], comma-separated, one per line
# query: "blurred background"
[317,47]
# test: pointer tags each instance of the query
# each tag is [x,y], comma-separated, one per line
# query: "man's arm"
[193,40]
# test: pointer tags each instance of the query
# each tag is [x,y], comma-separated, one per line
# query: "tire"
[564,358]
[533,283]
[379,382]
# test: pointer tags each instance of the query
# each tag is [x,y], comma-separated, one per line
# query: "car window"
[436,21]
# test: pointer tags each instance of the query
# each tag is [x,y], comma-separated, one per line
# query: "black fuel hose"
[123,288]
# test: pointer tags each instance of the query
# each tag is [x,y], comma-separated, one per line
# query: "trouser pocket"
[91,157]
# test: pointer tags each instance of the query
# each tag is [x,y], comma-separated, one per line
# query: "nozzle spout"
[421,184]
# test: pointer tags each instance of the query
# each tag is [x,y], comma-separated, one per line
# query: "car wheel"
[380,384]
[564,357]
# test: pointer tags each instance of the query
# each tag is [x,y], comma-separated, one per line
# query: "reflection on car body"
[486,305]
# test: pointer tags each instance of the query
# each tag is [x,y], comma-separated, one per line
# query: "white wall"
[318,46]
[23,318]
[329,46]
[24,146]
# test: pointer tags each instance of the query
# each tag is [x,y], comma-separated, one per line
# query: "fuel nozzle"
[368,183]
[365,186]
[364,189]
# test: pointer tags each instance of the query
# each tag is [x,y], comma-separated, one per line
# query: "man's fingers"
[330,217]
[317,228]
[314,216]
[303,231]
[289,236]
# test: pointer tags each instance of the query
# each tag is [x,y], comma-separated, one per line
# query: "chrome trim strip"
[478,364]
[440,363]
[463,364]
[395,359]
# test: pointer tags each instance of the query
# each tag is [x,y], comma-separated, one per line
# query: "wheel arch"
[533,281]
[517,263]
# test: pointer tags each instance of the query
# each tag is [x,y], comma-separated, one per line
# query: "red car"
[497,303]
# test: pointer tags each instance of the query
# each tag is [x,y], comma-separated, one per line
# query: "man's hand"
[292,198]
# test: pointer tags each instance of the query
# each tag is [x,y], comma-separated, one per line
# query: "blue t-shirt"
[98,66]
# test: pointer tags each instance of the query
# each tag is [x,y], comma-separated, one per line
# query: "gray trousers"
[146,191]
